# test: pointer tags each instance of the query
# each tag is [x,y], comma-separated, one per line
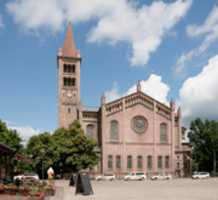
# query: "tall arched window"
[149,163]
[129,162]
[139,162]
[110,162]
[163,133]
[90,128]
[114,130]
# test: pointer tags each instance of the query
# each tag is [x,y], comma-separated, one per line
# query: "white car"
[135,176]
[162,177]
[27,176]
[200,175]
[105,177]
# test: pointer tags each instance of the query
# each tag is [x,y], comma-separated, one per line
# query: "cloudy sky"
[171,46]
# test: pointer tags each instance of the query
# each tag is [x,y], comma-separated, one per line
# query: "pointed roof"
[69,48]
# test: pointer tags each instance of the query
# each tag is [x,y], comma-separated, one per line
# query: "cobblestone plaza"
[177,189]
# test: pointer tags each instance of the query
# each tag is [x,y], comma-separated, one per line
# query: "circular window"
[139,124]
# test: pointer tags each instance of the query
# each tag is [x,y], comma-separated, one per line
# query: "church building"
[135,133]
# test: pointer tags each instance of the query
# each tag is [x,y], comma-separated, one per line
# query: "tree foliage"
[66,150]
[10,138]
[39,149]
[204,139]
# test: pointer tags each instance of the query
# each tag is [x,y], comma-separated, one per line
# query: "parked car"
[200,175]
[162,177]
[27,175]
[107,177]
[137,176]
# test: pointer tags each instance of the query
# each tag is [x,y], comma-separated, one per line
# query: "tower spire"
[69,49]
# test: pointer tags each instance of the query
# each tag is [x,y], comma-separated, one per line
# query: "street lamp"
[43,155]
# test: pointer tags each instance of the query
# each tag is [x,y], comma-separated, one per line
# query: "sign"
[83,184]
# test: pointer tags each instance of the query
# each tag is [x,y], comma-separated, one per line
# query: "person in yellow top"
[50,173]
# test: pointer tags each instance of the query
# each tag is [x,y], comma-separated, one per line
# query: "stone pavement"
[178,189]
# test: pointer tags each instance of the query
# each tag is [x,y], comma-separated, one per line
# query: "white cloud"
[113,93]
[143,27]
[1,22]
[209,31]
[33,15]
[153,86]
[24,131]
[199,94]
[181,61]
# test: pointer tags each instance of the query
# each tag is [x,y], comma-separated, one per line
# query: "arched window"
[114,130]
[160,162]
[118,162]
[163,133]
[69,68]
[90,129]
[139,162]
[110,162]
[167,162]
[129,162]
[149,162]
[69,81]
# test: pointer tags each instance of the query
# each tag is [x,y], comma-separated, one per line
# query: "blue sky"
[170,58]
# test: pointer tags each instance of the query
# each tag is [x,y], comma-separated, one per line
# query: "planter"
[33,193]
[10,189]
[49,190]
[24,191]
[37,196]
[2,188]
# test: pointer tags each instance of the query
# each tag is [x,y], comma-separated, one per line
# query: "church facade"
[134,133]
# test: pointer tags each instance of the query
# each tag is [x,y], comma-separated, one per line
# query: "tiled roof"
[69,48]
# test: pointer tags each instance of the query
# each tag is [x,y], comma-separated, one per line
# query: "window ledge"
[114,142]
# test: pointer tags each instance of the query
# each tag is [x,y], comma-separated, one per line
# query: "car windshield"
[203,173]
[29,174]
[139,173]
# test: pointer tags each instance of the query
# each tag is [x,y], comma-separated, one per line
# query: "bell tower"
[68,61]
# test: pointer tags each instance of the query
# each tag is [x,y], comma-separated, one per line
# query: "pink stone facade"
[134,133]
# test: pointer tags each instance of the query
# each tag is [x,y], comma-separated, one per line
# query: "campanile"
[68,61]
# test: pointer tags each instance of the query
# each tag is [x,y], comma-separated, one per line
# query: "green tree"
[75,150]
[40,150]
[10,138]
[204,139]
[66,150]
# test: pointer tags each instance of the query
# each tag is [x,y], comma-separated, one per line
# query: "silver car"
[27,176]
[201,175]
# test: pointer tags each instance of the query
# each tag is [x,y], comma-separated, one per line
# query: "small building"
[7,155]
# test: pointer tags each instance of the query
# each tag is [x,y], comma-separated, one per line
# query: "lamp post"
[42,168]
